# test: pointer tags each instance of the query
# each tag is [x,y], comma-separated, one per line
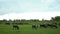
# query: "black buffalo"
[43,25]
[34,26]
[59,24]
[52,25]
[15,26]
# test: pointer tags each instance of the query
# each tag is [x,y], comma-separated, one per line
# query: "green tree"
[55,19]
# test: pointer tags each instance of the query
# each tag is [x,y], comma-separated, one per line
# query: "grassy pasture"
[27,29]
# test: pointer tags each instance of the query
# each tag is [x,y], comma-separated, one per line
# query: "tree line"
[55,19]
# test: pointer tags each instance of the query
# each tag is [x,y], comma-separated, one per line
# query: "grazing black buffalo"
[43,25]
[59,24]
[34,26]
[15,26]
[7,23]
[52,25]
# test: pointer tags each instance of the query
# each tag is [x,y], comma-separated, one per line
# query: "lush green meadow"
[27,29]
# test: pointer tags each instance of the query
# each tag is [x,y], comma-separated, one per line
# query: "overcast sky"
[28,6]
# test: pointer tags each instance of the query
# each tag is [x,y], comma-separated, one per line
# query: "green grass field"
[27,29]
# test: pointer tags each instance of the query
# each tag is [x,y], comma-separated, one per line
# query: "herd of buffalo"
[44,25]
